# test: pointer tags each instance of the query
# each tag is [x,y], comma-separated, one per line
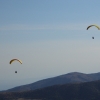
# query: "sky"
[49,37]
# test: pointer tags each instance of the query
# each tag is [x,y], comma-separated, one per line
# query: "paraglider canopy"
[93,25]
[15,60]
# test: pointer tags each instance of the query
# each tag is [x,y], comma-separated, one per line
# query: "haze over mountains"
[74,77]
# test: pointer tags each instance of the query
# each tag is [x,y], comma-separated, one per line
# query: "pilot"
[15,71]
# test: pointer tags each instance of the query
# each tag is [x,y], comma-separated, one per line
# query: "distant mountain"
[70,91]
[62,79]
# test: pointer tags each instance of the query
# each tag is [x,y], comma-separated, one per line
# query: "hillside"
[62,79]
[75,91]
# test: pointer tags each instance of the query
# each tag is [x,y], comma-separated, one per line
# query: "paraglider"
[93,25]
[15,60]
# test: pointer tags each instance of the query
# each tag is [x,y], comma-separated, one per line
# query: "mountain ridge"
[72,77]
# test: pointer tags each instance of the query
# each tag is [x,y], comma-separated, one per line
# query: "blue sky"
[50,38]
